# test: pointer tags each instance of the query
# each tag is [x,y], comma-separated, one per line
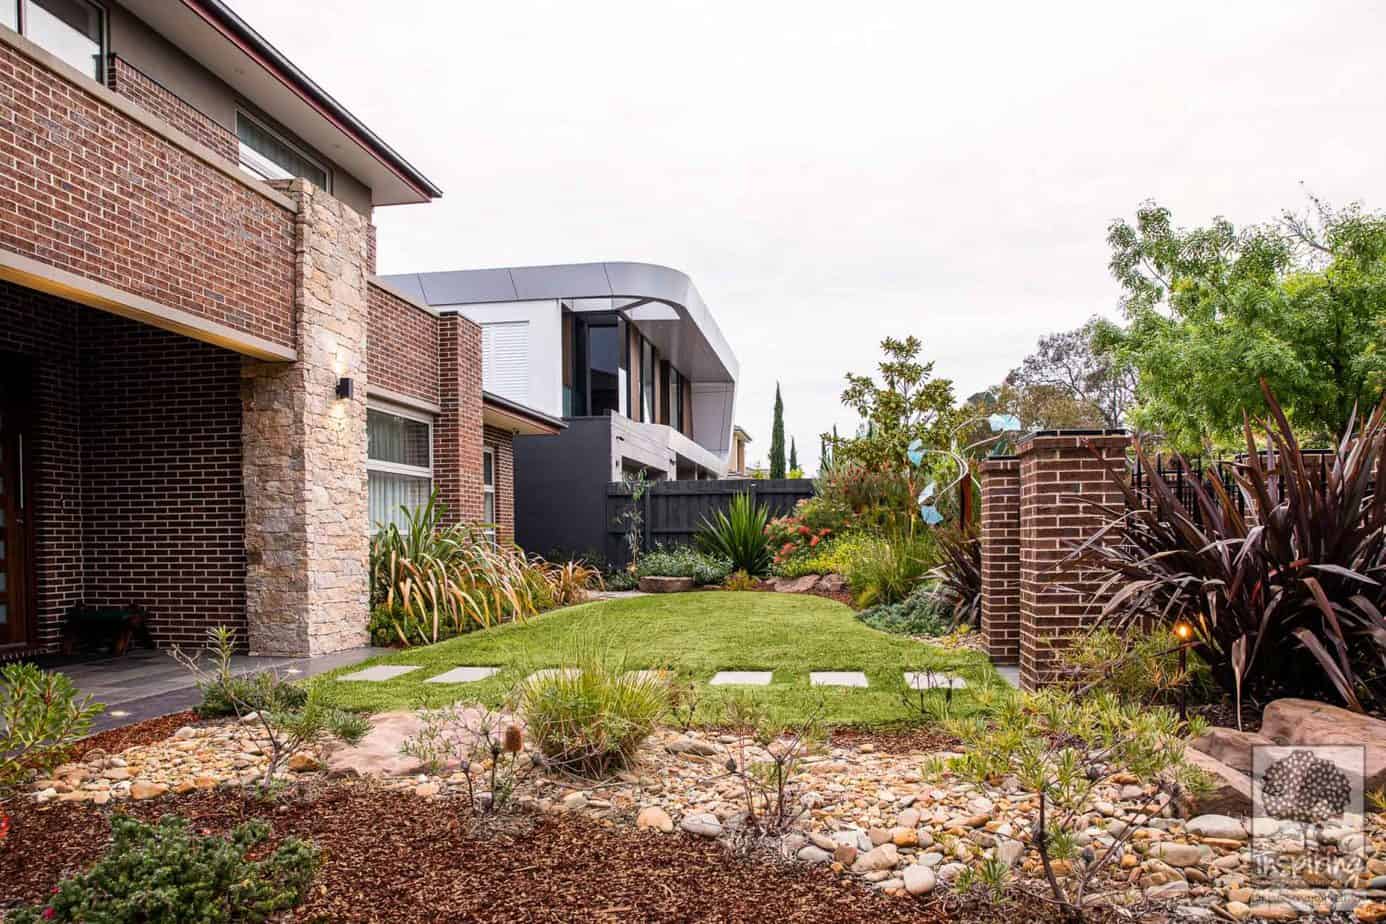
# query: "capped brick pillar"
[457,439]
[1056,468]
[306,537]
[1001,558]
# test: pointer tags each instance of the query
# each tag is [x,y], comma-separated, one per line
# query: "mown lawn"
[694,635]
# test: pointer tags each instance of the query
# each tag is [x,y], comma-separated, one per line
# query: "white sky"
[833,173]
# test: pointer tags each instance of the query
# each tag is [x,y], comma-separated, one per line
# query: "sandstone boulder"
[1231,792]
[1230,746]
[1302,721]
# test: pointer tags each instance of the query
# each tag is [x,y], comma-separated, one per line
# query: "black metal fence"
[1181,477]
[672,512]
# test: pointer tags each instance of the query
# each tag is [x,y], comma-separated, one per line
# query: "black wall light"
[344,388]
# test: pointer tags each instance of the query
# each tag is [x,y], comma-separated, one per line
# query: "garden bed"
[422,862]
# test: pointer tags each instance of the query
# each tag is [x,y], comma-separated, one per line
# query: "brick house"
[207,399]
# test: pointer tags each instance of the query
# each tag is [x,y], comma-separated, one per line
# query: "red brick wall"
[457,430]
[402,345]
[44,330]
[90,190]
[1001,559]
[163,510]
[501,441]
[132,83]
[1057,602]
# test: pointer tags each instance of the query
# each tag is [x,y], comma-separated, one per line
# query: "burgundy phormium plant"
[959,574]
[1286,600]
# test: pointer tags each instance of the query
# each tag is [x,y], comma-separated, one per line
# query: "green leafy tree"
[1300,303]
[907,404]
[777,466]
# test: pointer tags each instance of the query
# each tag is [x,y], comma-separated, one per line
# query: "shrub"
[738,535]
[740,581]
[164,873]
[287,728]
[482,744]
[829,557]
[1285,600]
[959,574]
[40,719]
[791,537]
[570,581]
[1060,749]
[683,561]
[1136,667]
[919,614]
[872,498]
[887,568]
[620,580]
[431,581]
[590,719]
[263,690]
[819,512]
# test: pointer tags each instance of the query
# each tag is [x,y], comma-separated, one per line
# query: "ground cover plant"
[693,636]
[165,874]
[1284,599]
[919,614]
[684,561]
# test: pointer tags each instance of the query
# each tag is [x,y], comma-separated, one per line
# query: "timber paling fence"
[673,511]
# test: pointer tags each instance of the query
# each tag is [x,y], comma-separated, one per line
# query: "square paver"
[464,675]
[837,679]
[923,680]
[380,672]
[741,679]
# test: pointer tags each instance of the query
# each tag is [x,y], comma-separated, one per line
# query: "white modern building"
[626,353]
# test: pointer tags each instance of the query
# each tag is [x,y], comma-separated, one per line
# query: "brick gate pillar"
[304,449]
[1001,558]
[1056,468]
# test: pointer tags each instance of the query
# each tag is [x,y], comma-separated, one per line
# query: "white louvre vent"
[505,359]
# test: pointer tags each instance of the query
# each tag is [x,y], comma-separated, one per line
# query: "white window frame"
[397,468]
[261,167]
[22,27]
[493,529]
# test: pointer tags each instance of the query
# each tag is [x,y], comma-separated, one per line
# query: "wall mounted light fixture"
[344,387]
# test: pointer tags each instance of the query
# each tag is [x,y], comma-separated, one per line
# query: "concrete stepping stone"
[464,675]
[741,679]
[380,672]
[837,679]
[923,680]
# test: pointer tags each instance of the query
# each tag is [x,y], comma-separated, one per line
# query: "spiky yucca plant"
[738,535]
[1287,599]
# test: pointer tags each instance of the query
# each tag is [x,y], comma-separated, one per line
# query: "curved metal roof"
[613,286]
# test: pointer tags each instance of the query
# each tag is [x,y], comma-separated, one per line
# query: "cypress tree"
[793,455]
[777,437]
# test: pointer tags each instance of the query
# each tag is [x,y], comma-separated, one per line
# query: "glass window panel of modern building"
[399,465]
[604,368]
[73,30]
[488,490]
[269,157]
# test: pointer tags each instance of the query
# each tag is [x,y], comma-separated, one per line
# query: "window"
[399,464]
[604,352]
[73,30]
[647,381]
[269,157]
[488,490]
[505,359]
[675,399]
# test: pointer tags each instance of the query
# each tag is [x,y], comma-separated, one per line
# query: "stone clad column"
[1056,602]
[307,543]
[1001,558]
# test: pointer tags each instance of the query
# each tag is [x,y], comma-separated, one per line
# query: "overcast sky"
[833,173]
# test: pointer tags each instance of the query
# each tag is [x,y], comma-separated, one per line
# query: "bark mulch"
[393,857]
[115,740]
[894,741]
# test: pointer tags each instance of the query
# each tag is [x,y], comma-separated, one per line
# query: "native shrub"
[770,784]
[1286,599]
[738,535]
[484,746]
[262,690]
[591,718]
[684,561]
[1139,667]
[958,575]
[887,568]
[919,614]
[866,498]
[40,718]
[740,581]
[165,874]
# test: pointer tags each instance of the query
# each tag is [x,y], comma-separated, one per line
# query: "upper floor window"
[647,381]
[269,157]
[675,399]
[73,30]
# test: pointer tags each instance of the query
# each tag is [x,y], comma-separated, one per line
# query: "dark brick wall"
[90,190]
[401,345]
[163,510]
[502,442]
[132,83]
